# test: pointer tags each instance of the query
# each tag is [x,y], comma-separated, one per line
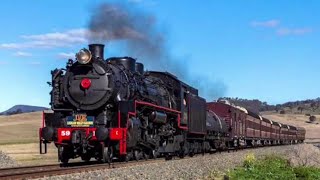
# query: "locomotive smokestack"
[97,51]
[139,68]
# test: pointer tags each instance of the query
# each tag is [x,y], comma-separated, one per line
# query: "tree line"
[257,106]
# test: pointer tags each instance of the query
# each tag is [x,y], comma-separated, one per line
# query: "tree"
[300,108]
[314,106]
[277,108]
[18,111]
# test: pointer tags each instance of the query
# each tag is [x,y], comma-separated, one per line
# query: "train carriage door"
[230,116]
[235,124]
[260,129]
[246,125]
[240,124]
[243,125]
[232,126]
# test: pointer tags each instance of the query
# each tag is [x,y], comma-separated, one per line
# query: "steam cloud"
[142,38]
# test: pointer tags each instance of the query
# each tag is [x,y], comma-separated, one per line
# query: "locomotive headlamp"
[84,56]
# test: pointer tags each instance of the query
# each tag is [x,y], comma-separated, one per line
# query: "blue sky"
[258,49]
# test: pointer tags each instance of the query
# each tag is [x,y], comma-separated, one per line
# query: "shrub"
[304,172]
[312,118]
[249,160]
[272,167]
[282,112]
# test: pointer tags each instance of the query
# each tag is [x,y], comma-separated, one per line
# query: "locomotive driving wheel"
[181,152]
[107,155]
[63,155]
[86,157]
[154,154]
[147,155]
[137,155]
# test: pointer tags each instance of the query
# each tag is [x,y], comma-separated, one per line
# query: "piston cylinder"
[158,117]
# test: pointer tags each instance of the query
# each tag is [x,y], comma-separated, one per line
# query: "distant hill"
[309,106]
[18,109]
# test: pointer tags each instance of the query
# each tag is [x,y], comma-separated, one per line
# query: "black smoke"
[143,39]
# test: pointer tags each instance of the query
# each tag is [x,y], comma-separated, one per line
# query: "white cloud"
[70,36]
[22,54]
[65,39]
[66,55]
[50,40]
[280,29]
[268,24]
[10,45]
[293,31]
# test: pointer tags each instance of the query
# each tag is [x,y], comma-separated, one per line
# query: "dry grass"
[20,128]
[19,139]
[28,154]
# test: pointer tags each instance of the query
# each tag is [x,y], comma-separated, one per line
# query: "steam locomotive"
[111,109]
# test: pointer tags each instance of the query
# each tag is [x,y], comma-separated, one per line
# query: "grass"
[272,167]
[307,172]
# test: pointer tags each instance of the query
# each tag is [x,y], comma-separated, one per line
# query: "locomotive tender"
[111,109]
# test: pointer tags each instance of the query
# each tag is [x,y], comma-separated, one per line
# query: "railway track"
[16,172]
[30,172]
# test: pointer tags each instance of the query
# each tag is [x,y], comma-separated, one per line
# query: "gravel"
[305,155]
[199,167]
[6,161]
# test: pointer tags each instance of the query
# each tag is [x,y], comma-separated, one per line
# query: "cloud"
[50,40]
[293,31]
[22,54]
[10,45]
[267,24]
[280,29]
[66,55]
[70,36]
[63,39]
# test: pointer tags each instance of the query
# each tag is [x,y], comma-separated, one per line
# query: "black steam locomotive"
[111,109]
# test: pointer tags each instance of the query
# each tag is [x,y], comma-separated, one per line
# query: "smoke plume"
[142,39]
